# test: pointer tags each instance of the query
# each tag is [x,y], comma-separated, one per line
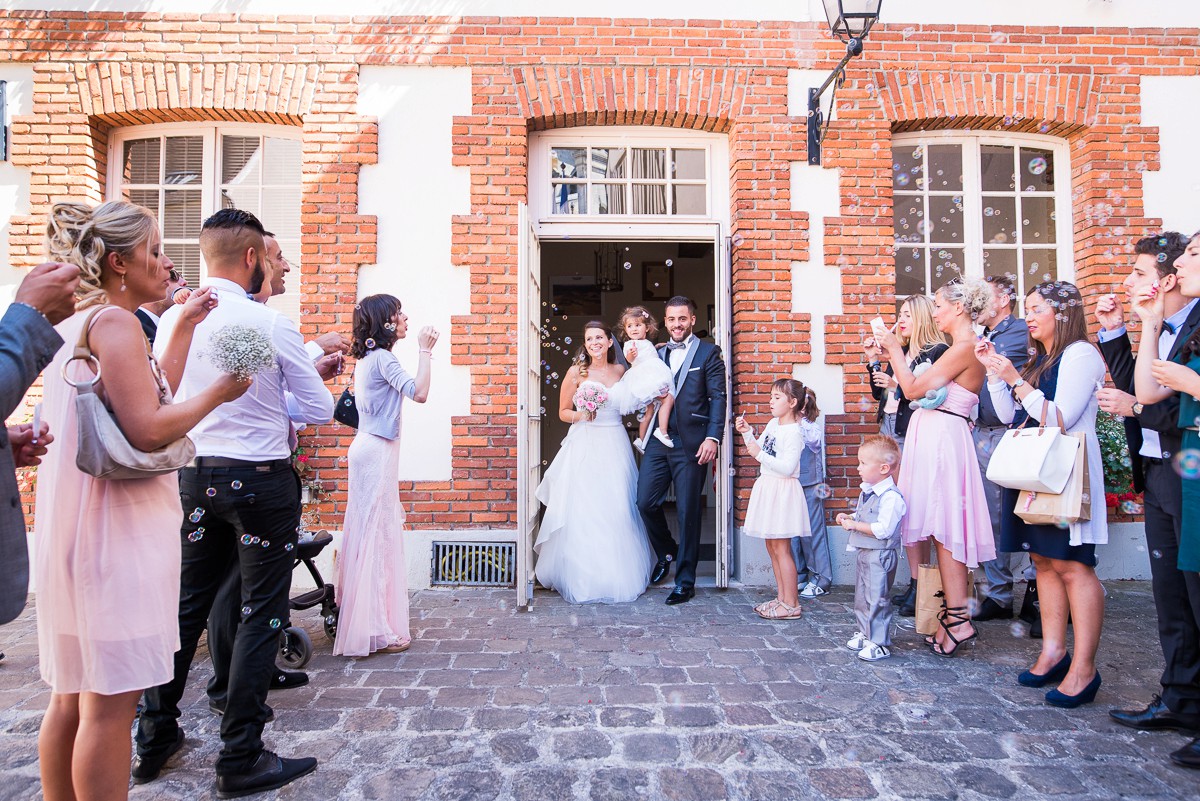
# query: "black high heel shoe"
[1030,679]
[1085,696]
[959,615]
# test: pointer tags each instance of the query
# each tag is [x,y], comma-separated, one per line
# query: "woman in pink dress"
[939,474]
[107,555]
[372,578]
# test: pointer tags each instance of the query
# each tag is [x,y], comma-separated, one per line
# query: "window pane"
[281,211]
[608,199]
[999,220]
[282,161]
[910,271]
[570,199]
[568,162]
[909,219]
[650,163]
[144,197]
[185,159]
[1040,265]
[141,162]
[690,199]
[182,213]
[242,197]
[186,256]
[649,198]
[1001,261]
[609,162]
[906,163]
[945,219]
[945,168]
[946,265]
[1037,220]
[688,165]
[240,160]
[996,168]
[1037,170]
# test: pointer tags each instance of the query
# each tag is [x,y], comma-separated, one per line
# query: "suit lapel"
[681,376]
[1185,331]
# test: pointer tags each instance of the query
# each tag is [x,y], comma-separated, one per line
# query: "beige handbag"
[1071,505]
[104,451]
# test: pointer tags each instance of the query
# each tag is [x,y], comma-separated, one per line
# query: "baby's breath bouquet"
[241,350]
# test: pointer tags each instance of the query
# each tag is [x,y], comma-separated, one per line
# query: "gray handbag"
[104,451]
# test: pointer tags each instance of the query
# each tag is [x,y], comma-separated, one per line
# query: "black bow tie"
[672,345]
[1168,328]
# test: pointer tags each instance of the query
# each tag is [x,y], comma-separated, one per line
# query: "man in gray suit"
[28,342]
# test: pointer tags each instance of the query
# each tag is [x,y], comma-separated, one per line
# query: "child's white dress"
[648,375]
[777,507]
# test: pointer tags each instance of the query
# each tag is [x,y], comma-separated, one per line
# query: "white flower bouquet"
[241,350]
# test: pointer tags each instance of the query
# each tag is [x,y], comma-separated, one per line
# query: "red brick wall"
[96,71]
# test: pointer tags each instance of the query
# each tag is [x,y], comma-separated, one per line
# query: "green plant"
[1114,450]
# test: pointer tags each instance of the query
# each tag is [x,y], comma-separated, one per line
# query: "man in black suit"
[1152,447]
[696,426]
[149,314]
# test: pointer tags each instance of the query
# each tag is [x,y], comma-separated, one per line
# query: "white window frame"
[541,186]
[210,187]
[970,143]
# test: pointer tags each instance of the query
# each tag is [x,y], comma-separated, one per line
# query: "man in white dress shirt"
[241,502]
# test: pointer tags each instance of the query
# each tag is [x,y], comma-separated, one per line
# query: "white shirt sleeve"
[1002,400]
[313,350]
[314,402]
[891,511]
[1079,372]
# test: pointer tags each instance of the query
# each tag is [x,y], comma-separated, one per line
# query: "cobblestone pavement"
[701,701]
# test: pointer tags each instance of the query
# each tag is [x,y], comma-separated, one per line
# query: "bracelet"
[426,351]
[34,308]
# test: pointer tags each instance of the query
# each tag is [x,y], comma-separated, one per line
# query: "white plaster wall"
[1124,13]
[414,190]
[14,181]
[1169,104]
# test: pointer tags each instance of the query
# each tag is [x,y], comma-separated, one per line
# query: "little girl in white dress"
[648,375]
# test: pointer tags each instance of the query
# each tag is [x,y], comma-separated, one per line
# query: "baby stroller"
[295,646]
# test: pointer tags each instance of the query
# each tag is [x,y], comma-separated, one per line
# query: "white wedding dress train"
[593,547]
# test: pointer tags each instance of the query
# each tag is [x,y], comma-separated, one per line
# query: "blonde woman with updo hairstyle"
[939,473]
[108,551]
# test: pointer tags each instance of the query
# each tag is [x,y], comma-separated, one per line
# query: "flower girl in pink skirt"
[777,510]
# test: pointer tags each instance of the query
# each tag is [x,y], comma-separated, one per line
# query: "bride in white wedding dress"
[592,547]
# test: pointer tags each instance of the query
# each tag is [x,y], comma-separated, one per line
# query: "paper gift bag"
[930,598]
[1071,505]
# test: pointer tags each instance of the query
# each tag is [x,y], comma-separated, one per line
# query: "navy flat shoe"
[1056,673]
[1085,696]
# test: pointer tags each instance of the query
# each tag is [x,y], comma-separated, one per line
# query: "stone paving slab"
[702,701]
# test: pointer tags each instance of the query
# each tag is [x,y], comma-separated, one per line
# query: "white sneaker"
[857,642]
[812,590]
[873,653]
[662,437]
[641,446]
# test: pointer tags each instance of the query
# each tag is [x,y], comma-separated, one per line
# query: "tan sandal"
[782,611]
[767,605]
[395,648]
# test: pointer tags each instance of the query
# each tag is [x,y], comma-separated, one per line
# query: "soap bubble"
[289,547]
[211,492]
[246,611]
[369,344]
[196,535]
[196,515]
[1037,165]
[237,485]
[247,539]
[670,263]
[275,623]
[736,240]
[1131,507]
[266,543]
[1187,463]
[824,491]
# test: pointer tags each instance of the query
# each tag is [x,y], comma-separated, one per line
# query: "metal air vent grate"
[474,564]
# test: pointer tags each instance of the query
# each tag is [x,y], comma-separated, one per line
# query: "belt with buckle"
[268,466]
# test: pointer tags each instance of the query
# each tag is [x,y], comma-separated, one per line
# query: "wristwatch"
[1137,408]
[1020,382]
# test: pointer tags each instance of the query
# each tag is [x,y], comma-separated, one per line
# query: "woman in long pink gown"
[372,580]
[107,555]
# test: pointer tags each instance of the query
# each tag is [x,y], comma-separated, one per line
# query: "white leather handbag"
[1036,459]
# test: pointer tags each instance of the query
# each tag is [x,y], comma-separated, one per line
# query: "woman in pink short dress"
[107,554]
[939,474]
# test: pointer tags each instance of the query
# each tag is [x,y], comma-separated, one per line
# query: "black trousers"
[241,517]
[661,467]
[1176,592]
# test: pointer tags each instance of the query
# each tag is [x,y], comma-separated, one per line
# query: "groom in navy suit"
[696,426]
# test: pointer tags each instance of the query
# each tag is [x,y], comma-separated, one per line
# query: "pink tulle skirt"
[777,509]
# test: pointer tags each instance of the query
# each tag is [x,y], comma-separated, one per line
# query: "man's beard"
[256,279]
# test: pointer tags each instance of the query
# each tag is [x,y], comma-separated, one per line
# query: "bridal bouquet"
[241,350]
[590,398]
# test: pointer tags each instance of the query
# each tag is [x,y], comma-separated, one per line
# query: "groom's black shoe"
[680,595]
[660,570]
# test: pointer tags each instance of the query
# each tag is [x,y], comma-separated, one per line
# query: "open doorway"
[572,294]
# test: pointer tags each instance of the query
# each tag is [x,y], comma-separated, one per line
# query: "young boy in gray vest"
[874,529]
